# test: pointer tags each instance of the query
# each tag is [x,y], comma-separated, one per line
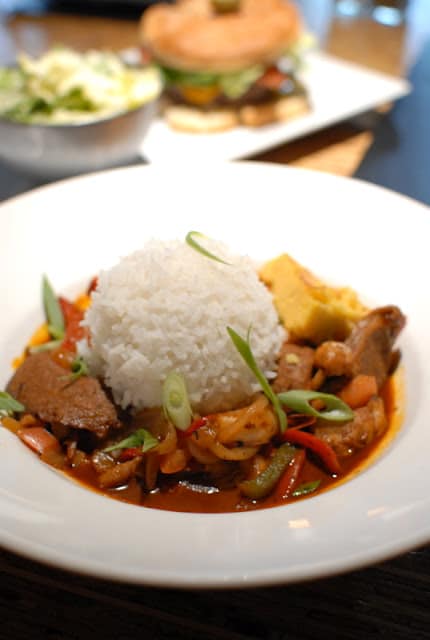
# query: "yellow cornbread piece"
[310,309]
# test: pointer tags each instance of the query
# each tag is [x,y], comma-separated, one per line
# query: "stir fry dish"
[188,378]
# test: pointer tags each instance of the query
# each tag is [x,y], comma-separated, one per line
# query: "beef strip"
[295,368]
[368,423]
[368,349]
[45,390]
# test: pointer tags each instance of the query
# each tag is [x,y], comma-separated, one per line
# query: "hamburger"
[226,62]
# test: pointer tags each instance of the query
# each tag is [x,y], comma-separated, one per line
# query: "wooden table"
[391,600]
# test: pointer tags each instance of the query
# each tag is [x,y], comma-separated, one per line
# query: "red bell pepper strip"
[93,285]
[319,447]
[266,481]
[73,317]
[288,481]
[196,424]
[130,453]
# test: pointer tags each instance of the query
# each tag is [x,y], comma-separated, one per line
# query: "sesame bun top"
[191,36]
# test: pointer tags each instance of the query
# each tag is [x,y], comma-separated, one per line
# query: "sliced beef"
[367,350]
[45,389]
[372,340]
[295,368]
[368,423]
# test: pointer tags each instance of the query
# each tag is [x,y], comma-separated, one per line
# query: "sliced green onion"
[8,405]
[140,438]
[53,312]
[79,368]
[190,240]
[299,400]
[263,484]
[46,346]
[176,404]
[304,489]
[244,349]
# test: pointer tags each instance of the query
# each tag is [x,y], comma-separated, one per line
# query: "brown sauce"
[183,497]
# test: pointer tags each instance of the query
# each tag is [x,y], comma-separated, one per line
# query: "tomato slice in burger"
[272,79]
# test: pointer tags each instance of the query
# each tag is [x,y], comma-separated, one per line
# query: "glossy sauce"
[182,497]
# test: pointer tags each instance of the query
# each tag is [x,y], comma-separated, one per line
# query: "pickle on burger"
[226,62]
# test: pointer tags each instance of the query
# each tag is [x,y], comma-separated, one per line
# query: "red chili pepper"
[319,447]
[93,285]
[129,454]
[288,481]
[73,317]
[196,424]
[70,311]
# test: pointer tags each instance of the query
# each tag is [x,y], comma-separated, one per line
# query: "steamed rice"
[166,308]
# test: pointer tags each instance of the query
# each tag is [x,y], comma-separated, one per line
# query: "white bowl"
[346,231]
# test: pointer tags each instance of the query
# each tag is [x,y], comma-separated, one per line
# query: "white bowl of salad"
[66,113]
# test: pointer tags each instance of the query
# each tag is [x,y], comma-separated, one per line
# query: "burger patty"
[257,94]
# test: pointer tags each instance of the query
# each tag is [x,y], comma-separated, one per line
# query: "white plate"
[338,90]
[345,230]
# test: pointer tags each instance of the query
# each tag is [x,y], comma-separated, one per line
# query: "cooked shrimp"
[251,426]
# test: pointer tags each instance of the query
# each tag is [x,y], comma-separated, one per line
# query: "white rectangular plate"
[338,90]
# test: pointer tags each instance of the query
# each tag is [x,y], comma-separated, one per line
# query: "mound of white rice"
[166,308]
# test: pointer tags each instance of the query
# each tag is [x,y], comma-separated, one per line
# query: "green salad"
[66,87]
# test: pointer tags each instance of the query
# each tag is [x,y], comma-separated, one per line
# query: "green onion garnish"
[176,404]
[53,313]
[299,400]
[190,240]
[306,488]
[140,438]
[8,405]
[244,349]
[79,368]
[46,346]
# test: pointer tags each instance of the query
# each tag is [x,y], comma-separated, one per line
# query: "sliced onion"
[176,404]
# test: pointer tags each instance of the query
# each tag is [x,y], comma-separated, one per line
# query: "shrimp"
[251,426]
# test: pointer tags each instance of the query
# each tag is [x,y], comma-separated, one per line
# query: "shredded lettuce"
[63,86]
[235,85]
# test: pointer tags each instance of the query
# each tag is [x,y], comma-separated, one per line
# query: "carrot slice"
[73,317]
[39,439]
[359,390]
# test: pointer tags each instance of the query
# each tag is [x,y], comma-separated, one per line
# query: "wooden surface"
[391,600]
